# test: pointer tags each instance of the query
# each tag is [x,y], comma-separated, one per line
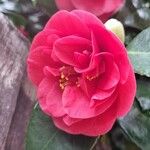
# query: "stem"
[95,142]
[35,106]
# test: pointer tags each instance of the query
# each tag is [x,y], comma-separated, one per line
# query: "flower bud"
[117,28]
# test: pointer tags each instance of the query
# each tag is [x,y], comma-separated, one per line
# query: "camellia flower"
[84,77]
[101,8]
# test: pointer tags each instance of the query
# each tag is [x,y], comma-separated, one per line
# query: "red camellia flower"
[84,77]
[101,8]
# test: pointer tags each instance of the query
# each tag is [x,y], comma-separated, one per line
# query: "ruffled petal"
[68,24]
[48,71]
[44,38]
[93,56]
[85,16]
[88,86]
[126,94]
[37,59]
[69,121]
[95,68]
[77,105]
[65,48]
[116,48]
[91,127]
[101,94]
[50,97]
[111,76]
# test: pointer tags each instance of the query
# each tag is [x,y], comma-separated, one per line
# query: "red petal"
[85,16]
[48,71]
[101,94]
[91,127]
[89,87]
[127,93]
[68,24]
[66,47]
[37,59]
[42,39]
[50,97]
[81,60]
[77,105]
[116,48]
[69,121]
[111,77]
[95,68]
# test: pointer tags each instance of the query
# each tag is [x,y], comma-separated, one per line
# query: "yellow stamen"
[92,77]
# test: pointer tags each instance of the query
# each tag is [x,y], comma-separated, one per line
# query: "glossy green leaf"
[130,34]
[120,141]
[137,123]
[139,52]
[137,126]
[143,93]
[43,135]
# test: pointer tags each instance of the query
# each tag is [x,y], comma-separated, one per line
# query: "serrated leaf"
[43,135]
[137,126]
[139,52]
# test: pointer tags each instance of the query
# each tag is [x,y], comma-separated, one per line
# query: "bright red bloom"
[84,77]
[101,8]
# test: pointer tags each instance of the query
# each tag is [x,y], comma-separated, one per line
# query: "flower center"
[68,77]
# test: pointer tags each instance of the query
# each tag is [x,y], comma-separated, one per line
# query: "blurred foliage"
[28,14]
[135,14]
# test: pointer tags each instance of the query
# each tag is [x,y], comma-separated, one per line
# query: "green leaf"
[120,140]
[130,34]
[139,52]
[137,126]
[137,123]
[43,135]
[48,6]
[17,19]
[143,93]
